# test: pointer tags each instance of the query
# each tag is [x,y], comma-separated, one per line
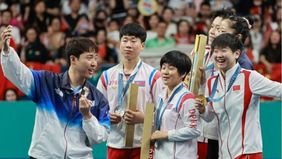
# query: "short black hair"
[79,45]
[133,29]
[227,40]
[177,59]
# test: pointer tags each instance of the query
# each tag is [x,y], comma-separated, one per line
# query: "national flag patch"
[236,88]
[140,83]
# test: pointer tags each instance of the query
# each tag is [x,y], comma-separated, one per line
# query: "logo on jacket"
[59,92]
[236,88]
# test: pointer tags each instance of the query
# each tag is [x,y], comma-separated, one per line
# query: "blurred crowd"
[41,29]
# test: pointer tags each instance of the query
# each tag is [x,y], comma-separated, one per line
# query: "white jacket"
[150,85]
[238,112]
[180,119]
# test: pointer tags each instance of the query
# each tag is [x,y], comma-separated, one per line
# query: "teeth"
[220,60]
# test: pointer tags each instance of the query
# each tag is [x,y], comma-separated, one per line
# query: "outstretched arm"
[13,68]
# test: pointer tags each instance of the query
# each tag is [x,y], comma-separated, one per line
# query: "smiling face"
[86,64]
[224,58]
[170,76]
[130,47]
[214,29]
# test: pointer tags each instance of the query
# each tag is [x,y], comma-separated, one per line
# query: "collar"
[120,67]
[65,84]
[164,92]
[229,73]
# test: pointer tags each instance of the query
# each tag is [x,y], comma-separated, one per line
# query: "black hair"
[10,89]
[79,45]
[133,29]
[241,26]
[224,13]
[183,20]
[205,3]
[177,59]
[168,8]
[227,40]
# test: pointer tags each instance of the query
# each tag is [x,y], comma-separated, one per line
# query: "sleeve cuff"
[170,134]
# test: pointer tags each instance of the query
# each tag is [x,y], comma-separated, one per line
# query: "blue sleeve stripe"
[151,76]
[106,77]
[178,103]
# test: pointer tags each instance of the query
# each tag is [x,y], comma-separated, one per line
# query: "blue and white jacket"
[59,129]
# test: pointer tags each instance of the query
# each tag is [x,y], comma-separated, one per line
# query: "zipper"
[66,148]
[228,121]
[73,104]
[174,144]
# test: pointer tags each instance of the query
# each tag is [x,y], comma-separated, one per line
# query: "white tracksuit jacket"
[238,112]
[150,85]
[180,118]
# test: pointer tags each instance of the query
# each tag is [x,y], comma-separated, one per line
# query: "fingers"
[199,105]
[154,136]
[7,33]
[115,118]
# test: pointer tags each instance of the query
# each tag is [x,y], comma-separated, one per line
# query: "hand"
[199,105]
[84,107]
[133,117]
[203,75]
[6,35]
[115,118]
[159,135]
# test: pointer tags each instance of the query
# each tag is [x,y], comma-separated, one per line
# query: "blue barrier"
[17,119]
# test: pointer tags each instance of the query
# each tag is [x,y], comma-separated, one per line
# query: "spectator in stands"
[53,7]
[54,41]
[153,26]
[161,40]
[17,18]
[271,54]
[184,33]
[72,18]
[83,27]
[118,8]
[168,15]
[128,19]
[133,11]
[249,49]
[190,12]
[38,17]
[256,37]
[10,94]
[107,54]
[54,38]
[113,33]
[100,20]
[33,50]
[203,19]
